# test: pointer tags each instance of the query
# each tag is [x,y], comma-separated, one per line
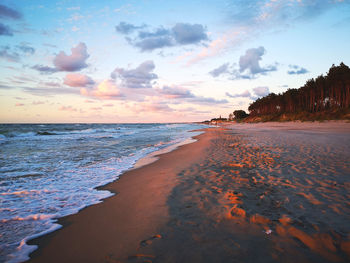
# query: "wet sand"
[272,192]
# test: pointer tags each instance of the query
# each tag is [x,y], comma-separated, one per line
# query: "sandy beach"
[271,192]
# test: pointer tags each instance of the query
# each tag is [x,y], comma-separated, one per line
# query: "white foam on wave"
[70,190]
[108,171]
[23,250]
[30,217]
[24,192]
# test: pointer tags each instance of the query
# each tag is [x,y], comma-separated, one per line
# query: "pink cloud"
[74,62]
[216,47]
[175,92]
[107,89]
[183,94]
[213,49]
[19,104]
[77,80]
[153,106]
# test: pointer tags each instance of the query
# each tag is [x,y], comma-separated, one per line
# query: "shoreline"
[53,223]
[154,156]
[115,188]
[277,191]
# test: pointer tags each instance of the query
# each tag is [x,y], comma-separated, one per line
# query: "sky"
[158,60]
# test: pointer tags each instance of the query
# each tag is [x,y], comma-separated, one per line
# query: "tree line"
[330,92]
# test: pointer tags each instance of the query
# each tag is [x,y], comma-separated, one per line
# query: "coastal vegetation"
[240,114]
[325,97]
[322,98]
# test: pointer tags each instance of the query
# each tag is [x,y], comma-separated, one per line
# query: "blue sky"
[160,61]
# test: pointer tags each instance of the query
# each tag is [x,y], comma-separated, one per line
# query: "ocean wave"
[23,250]
[2,138]
[33,217]
[54,176]
[45,133]
[19,134]
[26,192]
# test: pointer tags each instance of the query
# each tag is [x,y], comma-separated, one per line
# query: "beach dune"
[275,192]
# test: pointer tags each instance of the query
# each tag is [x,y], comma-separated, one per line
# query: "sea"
[48,171]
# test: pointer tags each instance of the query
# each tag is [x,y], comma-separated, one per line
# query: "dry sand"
[243,193]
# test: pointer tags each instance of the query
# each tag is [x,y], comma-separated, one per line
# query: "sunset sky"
[160,61]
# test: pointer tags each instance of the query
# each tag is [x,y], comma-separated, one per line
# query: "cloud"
[14,54]
[178,35]
[77,80]
[126,28]
[220,70]
[257,92]
[3,86]
[25,48]
[151,43]
[150,40]
[248,19]
[139,77]
[261,91]
[296,70]
[63,62]
[107,89]
[214,48]
[19,104]
[47,90]
[8,55]
[7,12]
[184,95]
[192,110]
[152,106]
[74,62]
[249,62]
[5,30]
[244,94]
[159,32]
[44,69]
[185,34]
[176,92]
[271,13]
[207,100]
[157,107]
[248,67]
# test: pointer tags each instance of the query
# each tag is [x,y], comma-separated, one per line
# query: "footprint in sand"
[149,241]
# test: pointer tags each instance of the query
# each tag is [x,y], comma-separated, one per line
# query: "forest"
[322,94]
